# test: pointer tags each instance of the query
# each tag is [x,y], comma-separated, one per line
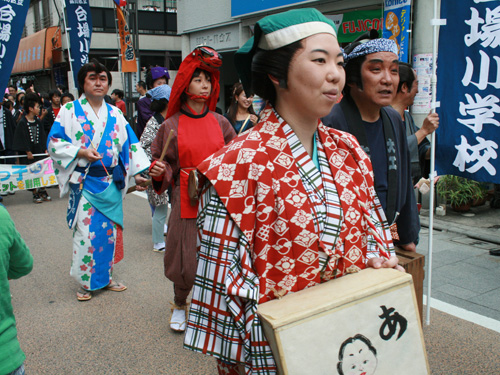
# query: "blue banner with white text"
[468,81]
[12,19]
[80,33]
[397,25]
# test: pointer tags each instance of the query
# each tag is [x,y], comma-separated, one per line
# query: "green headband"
[279,30]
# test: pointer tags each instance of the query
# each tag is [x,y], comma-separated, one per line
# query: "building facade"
[227,24]
[157,42]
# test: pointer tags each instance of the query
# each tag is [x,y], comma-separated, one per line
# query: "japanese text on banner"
[397,24]
[12,19]
[472,112]
[23,177]
[80,32]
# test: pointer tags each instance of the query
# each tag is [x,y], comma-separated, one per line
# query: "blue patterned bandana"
[373,46]
[160,92]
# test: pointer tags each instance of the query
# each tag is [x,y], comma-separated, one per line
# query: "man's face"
[12,91]
[414,90]
[380,78]
[35,109]
[56,100]
[96,85]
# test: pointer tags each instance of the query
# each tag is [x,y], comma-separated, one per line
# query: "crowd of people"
[27,117]
[327,157]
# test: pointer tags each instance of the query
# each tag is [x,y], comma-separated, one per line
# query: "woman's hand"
[89,153]
[29,154]
[254,119]
[138,181]
[392,262]
[158,169]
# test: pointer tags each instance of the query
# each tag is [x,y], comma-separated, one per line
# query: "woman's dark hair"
[93,66]
[8,104]
[276,63]
[196,73]
[158,106]
[350,340]
[233,107]
[67,95]
[406,75]
[18,95]
[30,100]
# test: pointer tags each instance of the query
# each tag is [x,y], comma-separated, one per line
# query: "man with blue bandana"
[372,77]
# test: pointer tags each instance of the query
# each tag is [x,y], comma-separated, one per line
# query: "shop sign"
[223,38]
[397,24]
[353,24]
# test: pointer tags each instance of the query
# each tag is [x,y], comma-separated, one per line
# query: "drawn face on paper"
[357,357]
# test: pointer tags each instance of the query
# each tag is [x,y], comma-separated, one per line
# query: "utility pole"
[133,21]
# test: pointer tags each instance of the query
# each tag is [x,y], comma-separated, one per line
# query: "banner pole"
[117,9]
[433,164]
[67,41]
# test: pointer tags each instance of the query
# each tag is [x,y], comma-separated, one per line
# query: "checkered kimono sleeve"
[222,320]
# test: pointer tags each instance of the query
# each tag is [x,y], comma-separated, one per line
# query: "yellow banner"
[127,49]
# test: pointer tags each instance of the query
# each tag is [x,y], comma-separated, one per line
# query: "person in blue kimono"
[95,152]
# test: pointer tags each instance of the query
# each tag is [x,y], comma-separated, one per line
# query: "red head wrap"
[205,58]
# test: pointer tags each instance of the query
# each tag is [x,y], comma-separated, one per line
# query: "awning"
[39,51]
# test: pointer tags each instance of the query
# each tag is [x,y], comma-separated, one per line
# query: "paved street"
[127,333]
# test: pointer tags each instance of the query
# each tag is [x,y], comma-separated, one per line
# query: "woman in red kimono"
[290,203]
[198,132]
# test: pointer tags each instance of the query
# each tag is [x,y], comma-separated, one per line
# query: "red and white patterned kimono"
[272,223]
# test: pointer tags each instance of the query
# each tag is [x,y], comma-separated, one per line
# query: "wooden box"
[367,321]
[414,263]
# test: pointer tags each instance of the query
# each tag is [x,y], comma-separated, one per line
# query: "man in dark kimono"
[371,83]
[418,144]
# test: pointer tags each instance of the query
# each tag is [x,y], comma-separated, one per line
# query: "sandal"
[45,196]
[83,295]
[116,287]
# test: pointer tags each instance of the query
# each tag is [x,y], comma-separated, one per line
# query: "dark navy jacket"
[406,212]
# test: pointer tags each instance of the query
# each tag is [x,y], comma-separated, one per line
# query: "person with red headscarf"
[198,132]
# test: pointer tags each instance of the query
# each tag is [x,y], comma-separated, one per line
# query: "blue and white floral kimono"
[97,212]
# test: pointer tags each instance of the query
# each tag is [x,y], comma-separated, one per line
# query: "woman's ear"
[281,83]
[273,79]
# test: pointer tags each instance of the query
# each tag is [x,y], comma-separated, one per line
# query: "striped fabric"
[222,320]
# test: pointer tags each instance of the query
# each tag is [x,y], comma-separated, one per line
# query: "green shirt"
[15,262]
